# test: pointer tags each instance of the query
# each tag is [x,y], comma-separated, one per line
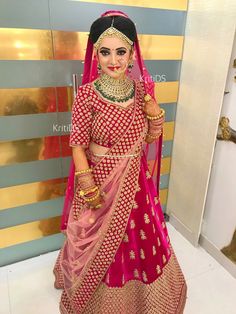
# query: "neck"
[123,77]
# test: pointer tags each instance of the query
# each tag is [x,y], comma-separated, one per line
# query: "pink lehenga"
[117,259]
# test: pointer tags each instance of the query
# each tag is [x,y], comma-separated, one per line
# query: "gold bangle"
[90,199]
[154,136]
[160,115]
[84,192]
[83,171]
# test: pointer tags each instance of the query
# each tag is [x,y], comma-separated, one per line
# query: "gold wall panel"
[161,47]
[30,150]
[159,4]
[168,131]
[29,231]
[163,196]
[19,101]
[167,92]
[72,45]
[69,45]
[29,193]
[25,44]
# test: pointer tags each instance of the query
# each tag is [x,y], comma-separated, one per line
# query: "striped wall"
[42,43]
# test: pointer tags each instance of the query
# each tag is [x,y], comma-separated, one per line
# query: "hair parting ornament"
[110,32]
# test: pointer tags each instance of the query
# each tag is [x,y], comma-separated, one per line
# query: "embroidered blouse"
[98,120]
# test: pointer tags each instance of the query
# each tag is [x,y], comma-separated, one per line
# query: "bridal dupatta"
[94,237]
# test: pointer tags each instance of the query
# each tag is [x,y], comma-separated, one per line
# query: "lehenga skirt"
[144,276]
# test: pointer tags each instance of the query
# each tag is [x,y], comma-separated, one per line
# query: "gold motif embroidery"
[126,238]
[136,273]
[138,188]
[154,229]
[132,254]
[163,258]
[156,200]
[132,224]
[135,205]
[123,279]
[163,225]
[148,175]
[158,269]
[147,198]
[158,241]
[146,218]
[142,255]
[154,251]
[144,276]
[143,235]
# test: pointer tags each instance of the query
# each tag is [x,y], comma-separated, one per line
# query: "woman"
[117,257]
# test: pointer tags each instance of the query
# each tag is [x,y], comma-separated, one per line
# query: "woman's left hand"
[151,108]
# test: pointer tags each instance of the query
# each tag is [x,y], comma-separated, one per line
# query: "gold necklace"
[115,90]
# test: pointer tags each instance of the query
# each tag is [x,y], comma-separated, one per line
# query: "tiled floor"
[27,287]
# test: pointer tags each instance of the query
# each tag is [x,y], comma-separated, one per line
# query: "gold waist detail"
[116,156]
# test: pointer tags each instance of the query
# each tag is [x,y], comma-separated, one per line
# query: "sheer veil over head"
[138,72]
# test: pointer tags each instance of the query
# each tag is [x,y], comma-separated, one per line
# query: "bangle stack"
[160,115]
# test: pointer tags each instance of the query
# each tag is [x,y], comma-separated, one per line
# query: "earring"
[130,66]
[99,68]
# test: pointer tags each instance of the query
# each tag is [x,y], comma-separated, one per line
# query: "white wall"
[207,49]
[220,210]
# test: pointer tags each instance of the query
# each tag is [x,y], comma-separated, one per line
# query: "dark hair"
[123,24]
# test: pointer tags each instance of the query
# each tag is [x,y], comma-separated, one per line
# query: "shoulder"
[84,93]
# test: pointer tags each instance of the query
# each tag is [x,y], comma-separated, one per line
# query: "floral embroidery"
[146,218]
[143,235]
[136,273]
[144,276]
[135,205]
[132,254]
[126,238]
[147,198]
[158,241]
[156,200]
[132,224]
[138,188]
[154,251]
[148,175]
[163,258]
[142,255]
[153,227]
[158,269]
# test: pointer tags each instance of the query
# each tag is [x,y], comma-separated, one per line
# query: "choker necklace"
[115,90]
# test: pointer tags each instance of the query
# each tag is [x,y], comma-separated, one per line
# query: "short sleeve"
[81,119]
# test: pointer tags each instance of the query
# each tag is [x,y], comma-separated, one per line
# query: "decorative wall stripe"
[29,249]
[167,4]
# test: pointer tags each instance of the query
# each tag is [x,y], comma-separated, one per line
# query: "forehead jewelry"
[112,31]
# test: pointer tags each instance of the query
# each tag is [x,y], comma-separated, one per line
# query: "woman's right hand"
[98,201]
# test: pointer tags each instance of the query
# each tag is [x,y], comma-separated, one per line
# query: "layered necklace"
[115,90]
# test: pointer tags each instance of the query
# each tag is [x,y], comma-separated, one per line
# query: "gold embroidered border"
[166,295]
[95,269]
